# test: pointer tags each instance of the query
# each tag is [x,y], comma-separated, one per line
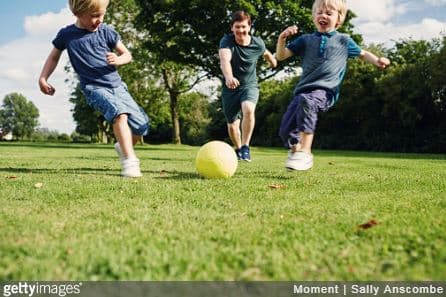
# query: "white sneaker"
[299,161]
[130,168]
[119,151]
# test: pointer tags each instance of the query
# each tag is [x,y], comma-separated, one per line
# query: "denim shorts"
[232,101]
[111,102]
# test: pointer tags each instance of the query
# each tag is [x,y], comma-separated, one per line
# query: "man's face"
[241,29]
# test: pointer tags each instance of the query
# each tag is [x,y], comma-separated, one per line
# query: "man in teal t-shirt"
[238,54]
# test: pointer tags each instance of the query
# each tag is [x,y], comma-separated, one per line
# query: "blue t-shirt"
[87,52]
[324,58]
[244,58]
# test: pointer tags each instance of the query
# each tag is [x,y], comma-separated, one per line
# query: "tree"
[151,78]
[18,115]
[183,37]
[189,32]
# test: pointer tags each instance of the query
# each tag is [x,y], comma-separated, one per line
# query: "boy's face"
[326,19]
[241,29]
[90,20]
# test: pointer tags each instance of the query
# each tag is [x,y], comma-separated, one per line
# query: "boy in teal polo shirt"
[324,54]
[238,54]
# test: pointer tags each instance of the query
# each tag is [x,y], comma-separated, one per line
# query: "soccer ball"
[216,159]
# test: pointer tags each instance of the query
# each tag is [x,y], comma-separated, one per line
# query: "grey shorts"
[302,114]
[111,102]
[232,100]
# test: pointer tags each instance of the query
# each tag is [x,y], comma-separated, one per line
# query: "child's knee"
[123,117]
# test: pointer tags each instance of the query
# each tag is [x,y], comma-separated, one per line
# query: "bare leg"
[234,133]
[124,136]
[136,139]
[248,122]
[306,141]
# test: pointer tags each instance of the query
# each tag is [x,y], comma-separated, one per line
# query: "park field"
[66,214]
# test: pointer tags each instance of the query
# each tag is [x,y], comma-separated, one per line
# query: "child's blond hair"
[338,5]
[82,6]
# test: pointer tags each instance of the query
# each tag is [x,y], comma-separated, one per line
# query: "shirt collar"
[329,34]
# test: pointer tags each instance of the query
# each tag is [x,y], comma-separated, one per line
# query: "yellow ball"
[216,159]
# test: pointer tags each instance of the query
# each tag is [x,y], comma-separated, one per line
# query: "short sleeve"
[297,45]
[226,42]
[112,37]
[353,49]
[59,42]
[262,46]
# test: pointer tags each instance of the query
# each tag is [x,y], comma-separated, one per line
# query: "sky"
[29,26]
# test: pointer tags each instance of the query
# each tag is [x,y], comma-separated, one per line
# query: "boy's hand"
[383,62]
[112,59]
[290,31]
[46,88]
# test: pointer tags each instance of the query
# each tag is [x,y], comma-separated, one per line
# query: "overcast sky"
[29,26]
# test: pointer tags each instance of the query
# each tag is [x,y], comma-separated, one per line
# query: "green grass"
[88,223]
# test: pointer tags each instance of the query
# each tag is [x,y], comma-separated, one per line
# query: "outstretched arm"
[124,56]
[380,62]
[282,52]
[225,64]
[48,68]
[270,59]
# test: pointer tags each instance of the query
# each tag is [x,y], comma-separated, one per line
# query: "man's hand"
[232,83]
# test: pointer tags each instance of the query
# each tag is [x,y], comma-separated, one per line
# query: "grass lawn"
[66,214]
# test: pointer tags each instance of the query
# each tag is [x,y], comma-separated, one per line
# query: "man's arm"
[270,59]
[225,64]
[380,62]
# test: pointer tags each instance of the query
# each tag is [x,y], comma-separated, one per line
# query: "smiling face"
[241,31]
[326,19]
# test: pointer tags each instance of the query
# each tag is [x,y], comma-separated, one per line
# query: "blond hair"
[338,5]
[82,6]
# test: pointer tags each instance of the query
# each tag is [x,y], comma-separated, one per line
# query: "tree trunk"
[170,83]
[176,137]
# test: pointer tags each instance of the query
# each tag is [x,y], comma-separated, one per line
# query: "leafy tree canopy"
[18,115]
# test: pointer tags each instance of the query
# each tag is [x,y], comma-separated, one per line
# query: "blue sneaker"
[245,152]
[239,154]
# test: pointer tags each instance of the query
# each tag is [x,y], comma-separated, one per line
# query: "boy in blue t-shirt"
[90,44]
[324,53]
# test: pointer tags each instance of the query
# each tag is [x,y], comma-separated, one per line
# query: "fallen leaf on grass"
[38,185]
[368,225]
[277,186]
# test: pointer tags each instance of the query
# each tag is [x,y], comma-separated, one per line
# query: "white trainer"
[299,161]
[130,168]
[119,151]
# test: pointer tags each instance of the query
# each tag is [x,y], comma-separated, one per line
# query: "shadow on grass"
[82,170]
[145,147]
[173,175]
[357,154]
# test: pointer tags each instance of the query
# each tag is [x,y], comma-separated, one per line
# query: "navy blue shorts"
[301,114]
